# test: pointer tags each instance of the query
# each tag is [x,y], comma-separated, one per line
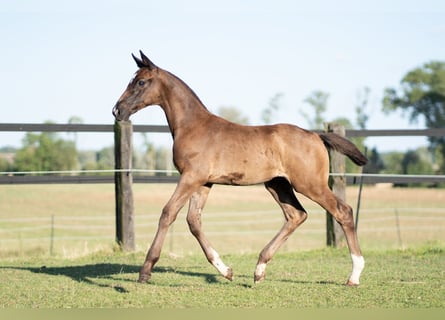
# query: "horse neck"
[182,107]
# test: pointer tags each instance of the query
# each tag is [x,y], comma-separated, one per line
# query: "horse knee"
[167,217]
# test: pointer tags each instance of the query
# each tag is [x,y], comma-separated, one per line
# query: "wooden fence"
[109,128]
[123,178]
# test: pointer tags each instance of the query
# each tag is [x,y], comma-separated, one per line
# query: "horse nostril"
[115,111]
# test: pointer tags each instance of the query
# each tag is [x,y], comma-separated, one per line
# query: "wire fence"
[389,227]
[156,176]
[232,231]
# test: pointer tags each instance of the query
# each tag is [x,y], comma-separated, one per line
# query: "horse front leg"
[197,202]
[169,213]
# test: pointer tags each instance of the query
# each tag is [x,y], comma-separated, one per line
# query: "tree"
[417,161]
[375,163]
[360,109]
[233,114]
[362,117]
[75,120]
[45,152]
[149,154]
[274,105]
[105,158]
[7,158]
[392,162]
[5,165]
[318,100]
[422,95]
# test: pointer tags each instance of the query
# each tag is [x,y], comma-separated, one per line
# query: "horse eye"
[141,82]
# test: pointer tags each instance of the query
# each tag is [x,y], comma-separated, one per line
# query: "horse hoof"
[259,278]
[349,283]
[144,278]
[229,275]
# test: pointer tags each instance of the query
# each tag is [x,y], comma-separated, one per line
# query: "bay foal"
[210,150]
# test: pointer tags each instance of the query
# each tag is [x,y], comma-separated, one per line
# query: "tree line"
[420,95]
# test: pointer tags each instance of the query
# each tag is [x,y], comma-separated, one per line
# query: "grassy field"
[311,279]
[236,219]
[401,232]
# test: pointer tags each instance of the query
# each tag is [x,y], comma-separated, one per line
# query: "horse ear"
[150,65]
[138,61]
[144,62]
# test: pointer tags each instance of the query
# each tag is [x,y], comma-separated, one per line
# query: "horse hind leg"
[294,214]
[342,213]
[197,202]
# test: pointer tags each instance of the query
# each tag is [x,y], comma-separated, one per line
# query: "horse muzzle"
[120,114]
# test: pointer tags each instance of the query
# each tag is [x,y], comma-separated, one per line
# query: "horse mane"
[145,62]
[186,86]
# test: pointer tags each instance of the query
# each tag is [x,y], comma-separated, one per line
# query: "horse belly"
[245,171]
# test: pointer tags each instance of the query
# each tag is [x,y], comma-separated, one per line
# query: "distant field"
[236,219]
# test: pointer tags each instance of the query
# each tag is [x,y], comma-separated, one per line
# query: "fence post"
[334,233]
[123,131]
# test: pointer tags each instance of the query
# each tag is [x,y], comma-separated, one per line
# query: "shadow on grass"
[93,273]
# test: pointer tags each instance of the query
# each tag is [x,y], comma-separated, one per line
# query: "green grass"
[405,258]
[412,278]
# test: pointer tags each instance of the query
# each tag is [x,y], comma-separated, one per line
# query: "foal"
[210,150]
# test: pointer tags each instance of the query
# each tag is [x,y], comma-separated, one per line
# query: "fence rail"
[23,178]
[81,179]
[53,127]
[70,127]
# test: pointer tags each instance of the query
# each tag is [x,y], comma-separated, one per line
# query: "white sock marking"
[217,262]
[260,269]
[358,263]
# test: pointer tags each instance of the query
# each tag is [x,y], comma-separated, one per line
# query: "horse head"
[142,91]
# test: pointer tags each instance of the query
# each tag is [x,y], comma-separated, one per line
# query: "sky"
[73,58]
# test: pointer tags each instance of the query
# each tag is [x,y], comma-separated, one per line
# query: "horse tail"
[343,145]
